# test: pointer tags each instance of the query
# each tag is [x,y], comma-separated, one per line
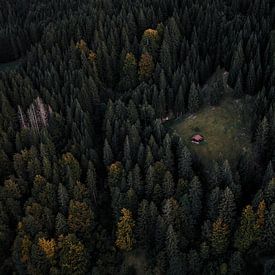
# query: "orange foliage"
[82,46]
[151,34]
[25,249]
[261,214]
[47,246]
[115,168]
[80,217]
[92,56]
[146,66]
[124,232]
[12,189]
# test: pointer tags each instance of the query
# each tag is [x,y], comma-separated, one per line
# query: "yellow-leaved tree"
[48,247]
[124,233]
[219,237]
[150,42]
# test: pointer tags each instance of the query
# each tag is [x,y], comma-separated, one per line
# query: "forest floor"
[222,127]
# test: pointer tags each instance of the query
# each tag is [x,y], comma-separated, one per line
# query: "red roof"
[197,138]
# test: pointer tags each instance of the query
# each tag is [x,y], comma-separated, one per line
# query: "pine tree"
[61,226]
[251,79]
[157,194]
[80,219]
[269,192]
[268,240]
[269,174]
[168,185]
[63,198]
[237,263]
[213,203]
[107,154]
[149,182]
[5,165]
[194,99]
[195,263]
[171,243]
[227,208]
[69,161]
[237,63]
[165,57]
[184,162]
[142,226]
[91,181]
[179,102]
[132,199]
[160,234]
[238,90]
[195,195]
[73,255]
[262,139]
[130,75]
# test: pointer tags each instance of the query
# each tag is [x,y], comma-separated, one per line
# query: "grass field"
[222,129]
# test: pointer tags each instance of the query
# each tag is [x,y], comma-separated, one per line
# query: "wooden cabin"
[197,139]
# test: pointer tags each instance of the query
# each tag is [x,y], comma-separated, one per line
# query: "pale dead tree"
[42,112]
[22,119]
[33,119]
[37,115]
[50,109]
[32,115]
[36,118]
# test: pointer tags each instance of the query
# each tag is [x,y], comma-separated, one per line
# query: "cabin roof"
[198,137]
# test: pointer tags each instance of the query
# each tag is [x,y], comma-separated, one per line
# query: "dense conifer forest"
[92,179]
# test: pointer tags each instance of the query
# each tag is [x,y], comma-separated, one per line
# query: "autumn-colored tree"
[48,247]
[150,41]
[92,56]
[25,249]
[11,189]
[146,66]
[73,255]
[261,212]
[129,72]
[151,34]
[248,231]
[82,46]
[115,174]
[219,237]
[129,62]
[69,160]
[80,218]
[124,234]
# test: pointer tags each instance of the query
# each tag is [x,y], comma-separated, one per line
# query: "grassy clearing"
[222,129]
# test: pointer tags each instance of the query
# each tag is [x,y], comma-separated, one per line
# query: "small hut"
[197,139]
